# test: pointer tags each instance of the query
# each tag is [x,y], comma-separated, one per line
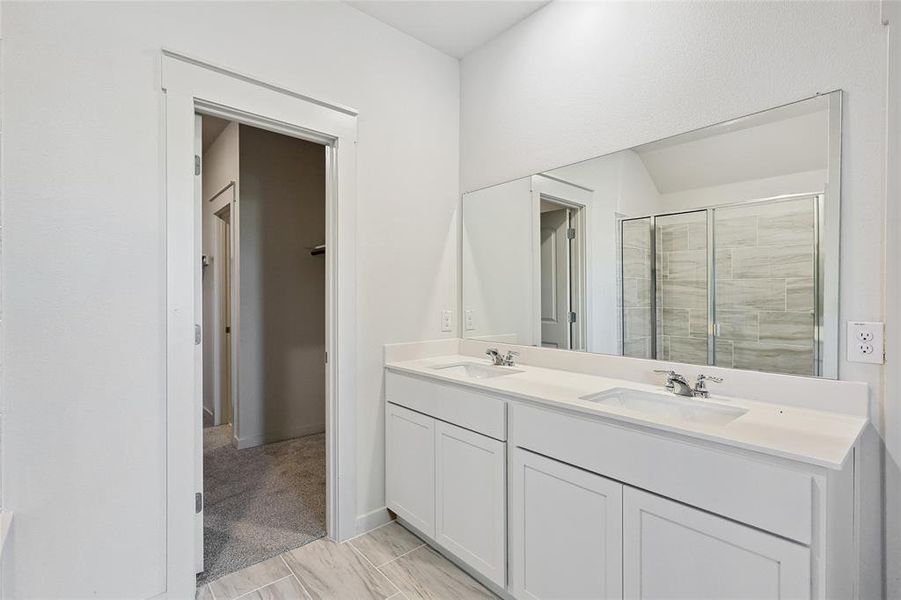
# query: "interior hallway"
[388,562]
[259,502]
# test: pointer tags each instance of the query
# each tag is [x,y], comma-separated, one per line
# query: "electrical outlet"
[470,323]
[447,320]
[866,341]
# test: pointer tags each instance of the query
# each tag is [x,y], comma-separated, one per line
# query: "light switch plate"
[447,320]
[866,342]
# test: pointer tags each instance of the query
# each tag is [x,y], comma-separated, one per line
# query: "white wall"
[892,14]
[498,268]
[83,262]
[220,166]
[577,80]
[281,347]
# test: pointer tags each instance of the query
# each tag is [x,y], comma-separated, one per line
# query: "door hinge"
[326,357]
[196,164]
[572,317]
[198,337]
[198,502]
[570,233]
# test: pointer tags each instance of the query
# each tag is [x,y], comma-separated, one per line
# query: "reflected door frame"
[225,303]
[578,200]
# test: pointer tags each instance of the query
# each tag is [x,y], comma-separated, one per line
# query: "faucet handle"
[701,385]
[508,359]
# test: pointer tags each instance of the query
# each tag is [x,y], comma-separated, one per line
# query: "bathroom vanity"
[547,482]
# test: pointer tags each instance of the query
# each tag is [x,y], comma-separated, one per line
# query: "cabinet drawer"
[765,495]
[453,403]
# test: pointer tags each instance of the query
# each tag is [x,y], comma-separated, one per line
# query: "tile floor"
[388,562]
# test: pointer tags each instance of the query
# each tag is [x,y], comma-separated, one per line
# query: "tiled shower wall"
[682,287]
[636,288]
[765,293]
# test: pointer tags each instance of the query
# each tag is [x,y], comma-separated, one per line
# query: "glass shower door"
[682,332]
[636,297]
[766,282]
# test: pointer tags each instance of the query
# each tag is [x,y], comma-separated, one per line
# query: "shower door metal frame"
[818,199]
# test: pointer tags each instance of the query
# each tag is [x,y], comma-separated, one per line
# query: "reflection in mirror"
[714,247]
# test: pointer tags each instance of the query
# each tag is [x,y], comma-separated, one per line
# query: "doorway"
[561,254]
[190,86]
[264,376]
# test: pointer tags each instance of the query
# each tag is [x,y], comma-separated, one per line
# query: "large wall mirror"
[717,247]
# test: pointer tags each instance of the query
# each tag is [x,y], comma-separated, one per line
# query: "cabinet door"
[410,467]
[471,516]
[566,531]
[674,551]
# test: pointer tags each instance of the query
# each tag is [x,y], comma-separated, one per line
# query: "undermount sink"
[668,406]
[476,370]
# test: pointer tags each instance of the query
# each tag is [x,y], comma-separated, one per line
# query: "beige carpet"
[259,502]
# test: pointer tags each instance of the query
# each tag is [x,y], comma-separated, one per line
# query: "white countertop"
[811,436]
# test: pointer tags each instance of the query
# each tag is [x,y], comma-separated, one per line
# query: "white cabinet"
[577,535]
[450,484]
[566,531]
[410,467]
[470,499]
[672,551]
[713,524]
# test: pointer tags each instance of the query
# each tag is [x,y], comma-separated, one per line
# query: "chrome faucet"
[676,383]
[501,361]
[495,356]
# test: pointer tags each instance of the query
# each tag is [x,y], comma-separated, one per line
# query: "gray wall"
[281,356]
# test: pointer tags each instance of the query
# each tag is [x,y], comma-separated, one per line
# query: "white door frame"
[578,199]
[223,305]
[190,85]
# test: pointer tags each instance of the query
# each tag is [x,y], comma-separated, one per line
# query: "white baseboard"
[372,520]
[287,433]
